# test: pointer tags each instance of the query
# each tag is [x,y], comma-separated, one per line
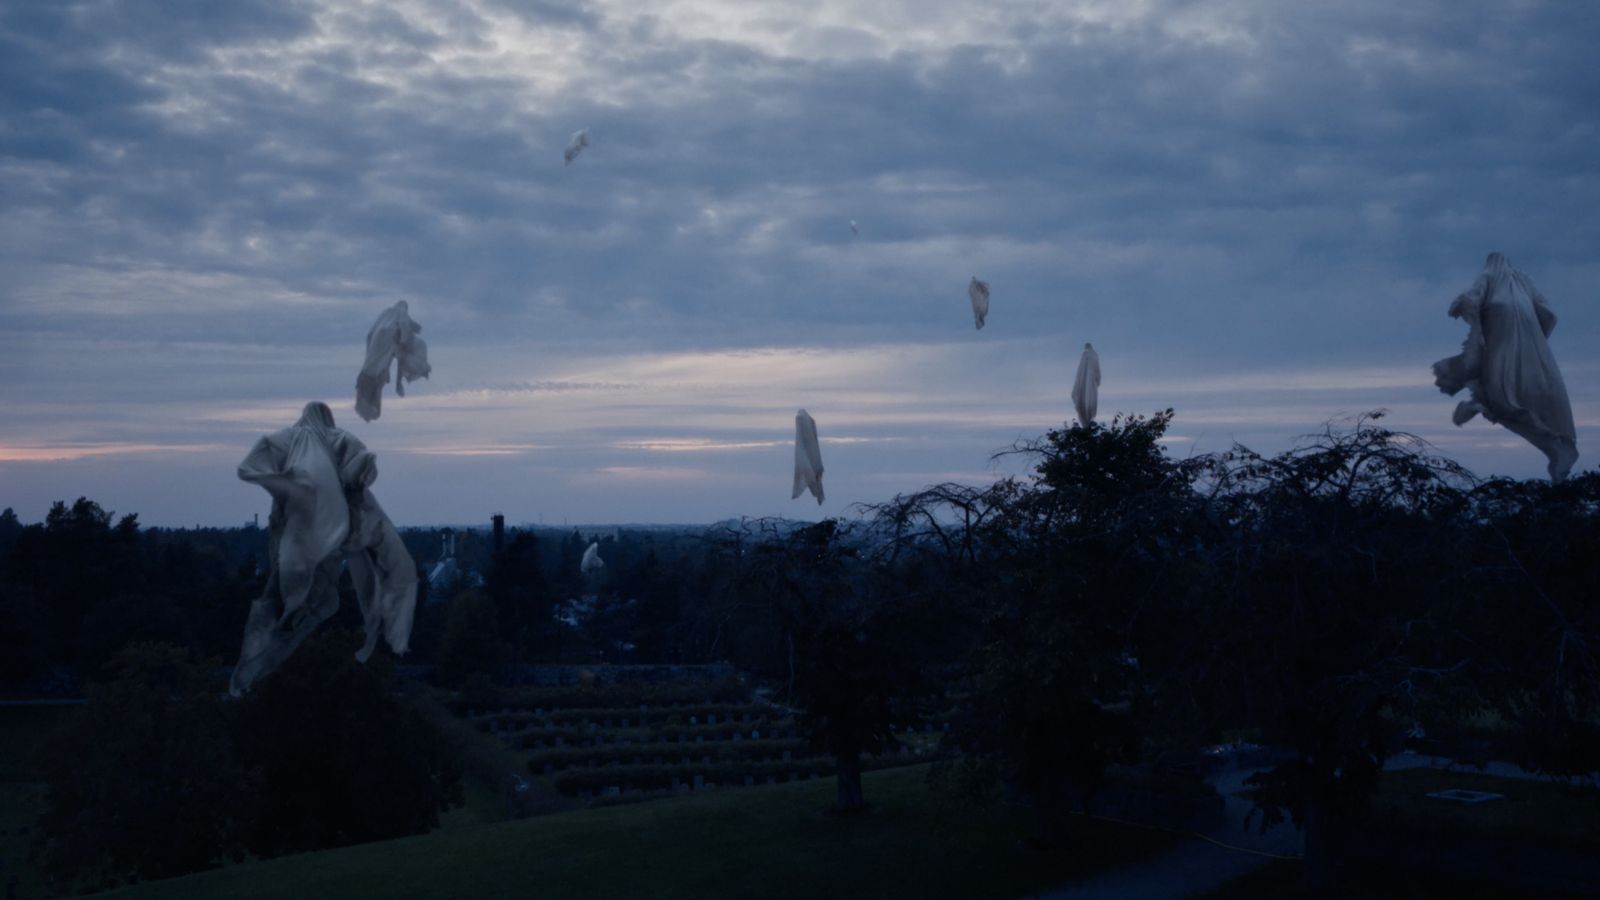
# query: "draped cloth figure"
[807,457]
[591,559]
[322,513]
[978,293]
[1507,366]
[392,338]
[580,140]
[1086,388]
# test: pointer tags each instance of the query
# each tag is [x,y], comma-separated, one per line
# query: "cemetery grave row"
[643,739]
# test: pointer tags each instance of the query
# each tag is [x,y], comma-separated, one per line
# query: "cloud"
[72,452]
[1257,212]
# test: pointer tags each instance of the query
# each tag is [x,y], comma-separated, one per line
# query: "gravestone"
[755,734]
[613,790]
[699,782]
[711,718]
[787,756]
[749,780]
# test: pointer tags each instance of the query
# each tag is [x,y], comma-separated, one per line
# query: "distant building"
[447,571]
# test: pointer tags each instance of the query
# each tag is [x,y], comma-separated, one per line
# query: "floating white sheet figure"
[1086,388]
[854,228]
[807,457]
[979,292]
[580,140]
[591,559]
[322,512]
[1507,365]
[392,338]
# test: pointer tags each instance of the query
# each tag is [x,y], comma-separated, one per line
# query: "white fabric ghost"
[807,457]
[854,228]
[392,338]
[1507,365]
[591,559]
[1086,388]
[580,140]
[979,292]
[322,511]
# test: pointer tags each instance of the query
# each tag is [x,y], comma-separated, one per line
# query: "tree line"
[1114,605]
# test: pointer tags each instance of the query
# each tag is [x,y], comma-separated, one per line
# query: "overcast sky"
[1257,210]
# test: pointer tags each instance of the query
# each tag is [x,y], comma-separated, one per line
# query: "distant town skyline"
[1258,212]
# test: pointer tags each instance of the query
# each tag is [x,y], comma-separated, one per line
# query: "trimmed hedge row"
[651,716]
[531,738]
[613,696]
[651,778]
[729,750]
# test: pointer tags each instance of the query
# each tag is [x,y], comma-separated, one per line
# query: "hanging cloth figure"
[979,292]
[1086,389]
[591,559]
[393,338]
[807,457]
[1507,365]
[322,512]
[580,140]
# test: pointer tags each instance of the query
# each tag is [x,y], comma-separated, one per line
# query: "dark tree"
[143,782]
[338,761]
[474,642]
[848,662]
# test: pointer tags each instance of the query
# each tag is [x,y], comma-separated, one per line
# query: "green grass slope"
[770,842]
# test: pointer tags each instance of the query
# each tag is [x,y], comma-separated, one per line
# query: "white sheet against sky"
[1258,211]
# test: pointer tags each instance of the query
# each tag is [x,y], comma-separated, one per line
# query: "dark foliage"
[337,761]
[143,779]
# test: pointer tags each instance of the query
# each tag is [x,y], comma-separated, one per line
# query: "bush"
[338,761]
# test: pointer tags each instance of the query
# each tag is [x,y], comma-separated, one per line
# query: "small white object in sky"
[392,338]
[322,512]
[1086,389]
[591,559]
[580,140]
[979,292]
[1507,365]
[807,457]
[854,228]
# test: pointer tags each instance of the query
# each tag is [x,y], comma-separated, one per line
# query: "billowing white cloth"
[591,559]
[580,140]
[1507,365]
[979,292]
[1086,388]
[322,511]
[807,457]
[392,338]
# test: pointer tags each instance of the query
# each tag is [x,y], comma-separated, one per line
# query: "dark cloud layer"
[1205,186]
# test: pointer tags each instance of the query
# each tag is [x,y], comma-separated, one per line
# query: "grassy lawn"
[770,841]
[1283,881]
[1534,812]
